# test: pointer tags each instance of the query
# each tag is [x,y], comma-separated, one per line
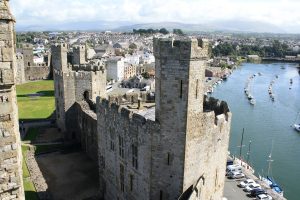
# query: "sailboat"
[296,125]
[270,181]
[243,163]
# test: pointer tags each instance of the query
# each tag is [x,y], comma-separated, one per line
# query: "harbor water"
[267,121]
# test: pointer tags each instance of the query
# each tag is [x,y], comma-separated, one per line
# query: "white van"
[233,168]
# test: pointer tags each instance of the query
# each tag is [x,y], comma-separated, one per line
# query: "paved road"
[233,192]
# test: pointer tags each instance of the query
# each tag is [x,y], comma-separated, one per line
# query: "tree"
[178,31]
[132,46]
[164,31]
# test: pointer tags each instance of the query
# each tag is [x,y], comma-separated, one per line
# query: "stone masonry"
[175,148]
[11,184]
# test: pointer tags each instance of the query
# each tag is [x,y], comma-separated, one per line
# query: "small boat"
[297,127]
[282,67]
[252,101]
[291,81]
[270,181]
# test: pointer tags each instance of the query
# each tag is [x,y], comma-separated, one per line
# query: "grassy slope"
[38,107]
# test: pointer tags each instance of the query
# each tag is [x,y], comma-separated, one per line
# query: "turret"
[59,57]
[79,55]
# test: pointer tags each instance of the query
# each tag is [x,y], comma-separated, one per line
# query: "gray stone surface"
[175,148]
[11,184]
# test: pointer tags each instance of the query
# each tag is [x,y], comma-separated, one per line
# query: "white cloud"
[277,12]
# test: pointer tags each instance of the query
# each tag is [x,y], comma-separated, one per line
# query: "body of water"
[267,122]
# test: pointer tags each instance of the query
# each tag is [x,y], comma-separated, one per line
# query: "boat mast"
[270,159]
[248,153]
[241,146]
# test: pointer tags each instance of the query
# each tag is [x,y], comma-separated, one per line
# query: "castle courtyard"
[69,176]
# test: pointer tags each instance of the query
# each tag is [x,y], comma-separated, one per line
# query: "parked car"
[257,192]
[264,197]
[236,175]
[229,162]
[251,187]
[245,183]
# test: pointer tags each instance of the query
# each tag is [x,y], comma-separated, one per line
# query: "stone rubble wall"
[36,176]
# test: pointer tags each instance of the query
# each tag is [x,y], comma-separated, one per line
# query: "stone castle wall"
[11,184]
[117,123]
[177,147]
[27,70]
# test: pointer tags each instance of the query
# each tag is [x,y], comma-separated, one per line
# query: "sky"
[282,13]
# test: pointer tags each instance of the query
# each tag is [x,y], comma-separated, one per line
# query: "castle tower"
[11,184]
[28,54]
[79,55]
[63,84]
[190,142]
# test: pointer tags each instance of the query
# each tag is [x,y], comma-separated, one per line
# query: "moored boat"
[297,127]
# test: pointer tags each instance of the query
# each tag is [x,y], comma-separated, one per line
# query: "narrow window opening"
[197,89]
[122,177]
[168,158]
[134,149]
[180,90]
[121,146]
[131,182]
[161,195]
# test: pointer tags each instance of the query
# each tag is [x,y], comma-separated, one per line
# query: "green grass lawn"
[36,107]
[30,192]
[26,173]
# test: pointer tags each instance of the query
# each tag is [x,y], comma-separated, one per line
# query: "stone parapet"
[180,49]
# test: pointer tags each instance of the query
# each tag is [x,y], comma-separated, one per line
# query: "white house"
[115,68]
[132,59]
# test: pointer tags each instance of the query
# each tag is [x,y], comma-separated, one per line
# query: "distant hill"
[229,26]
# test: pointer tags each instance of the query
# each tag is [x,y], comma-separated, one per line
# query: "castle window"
[181,86]
[122,177]
[197,89]
[169,159]
[121,146]
[134,156]
[131,177]
[160,195]
[112,140]
[86,95]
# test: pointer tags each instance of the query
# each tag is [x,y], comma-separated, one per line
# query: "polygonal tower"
[194,132]
[11,184]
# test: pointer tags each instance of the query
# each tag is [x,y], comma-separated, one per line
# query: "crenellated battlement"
[79,48]
[180,49]
[105,107]
[93,66]
[59,47]
[27,46]
[19,57]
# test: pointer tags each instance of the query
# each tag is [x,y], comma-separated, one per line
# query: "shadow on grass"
[44,93]
[31,195]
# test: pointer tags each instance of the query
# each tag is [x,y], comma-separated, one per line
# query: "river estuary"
[267,121]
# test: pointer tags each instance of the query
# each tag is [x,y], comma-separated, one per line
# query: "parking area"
[233,192]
